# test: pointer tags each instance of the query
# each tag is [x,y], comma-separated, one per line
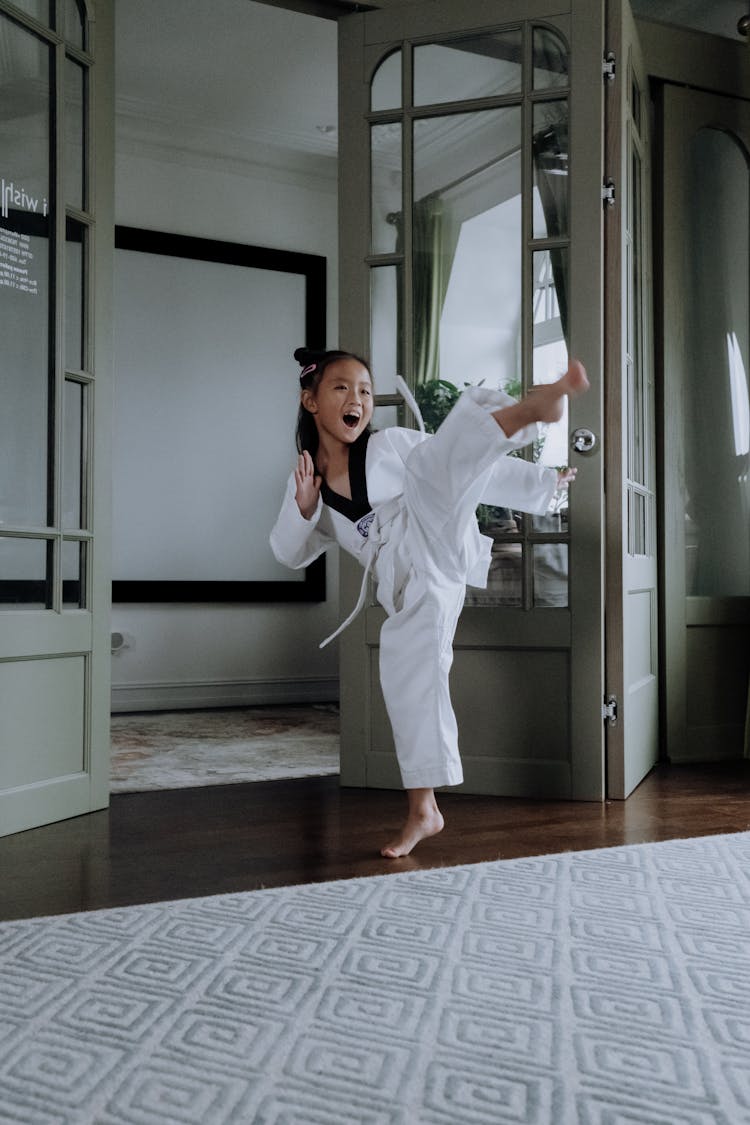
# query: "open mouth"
[351,420]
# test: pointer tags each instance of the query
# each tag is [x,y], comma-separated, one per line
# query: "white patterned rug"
[608,987]
[184,749]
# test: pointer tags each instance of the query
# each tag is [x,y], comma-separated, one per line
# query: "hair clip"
[311,367]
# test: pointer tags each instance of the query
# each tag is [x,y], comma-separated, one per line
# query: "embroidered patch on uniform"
[363,527]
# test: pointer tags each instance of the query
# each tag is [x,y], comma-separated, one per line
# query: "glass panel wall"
[25,272]
[717,427]
[43,432]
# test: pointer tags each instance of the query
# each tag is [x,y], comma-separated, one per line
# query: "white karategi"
[422,544]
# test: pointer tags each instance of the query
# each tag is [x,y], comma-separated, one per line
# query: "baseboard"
[235,693]
[716,743]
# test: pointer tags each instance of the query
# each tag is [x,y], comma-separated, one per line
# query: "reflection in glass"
[550,356]
[24,277]
[73,574]
[474,67]
[74,296]
[638,515]
[75,153]
[42,10]
[385,161]
[75,24]
[550,59]
[385,334]
[505,580]
[24,123]
[635,102]
[385,91]
[25,573]
[467,247]
[549,297]
[550,153]
[550,575]
[717,410]
[74,421]
[636,390]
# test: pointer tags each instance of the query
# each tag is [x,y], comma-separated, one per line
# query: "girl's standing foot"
[424,819]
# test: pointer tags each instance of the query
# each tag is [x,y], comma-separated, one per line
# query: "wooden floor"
[182,843]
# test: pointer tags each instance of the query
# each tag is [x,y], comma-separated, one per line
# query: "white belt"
[384,517]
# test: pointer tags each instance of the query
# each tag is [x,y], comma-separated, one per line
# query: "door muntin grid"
[483,177]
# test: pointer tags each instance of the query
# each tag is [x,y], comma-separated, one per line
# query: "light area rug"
[606,987]
[183,749]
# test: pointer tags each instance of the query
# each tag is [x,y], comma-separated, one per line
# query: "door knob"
[583,441]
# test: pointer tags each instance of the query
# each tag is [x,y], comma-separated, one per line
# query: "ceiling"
[242,84]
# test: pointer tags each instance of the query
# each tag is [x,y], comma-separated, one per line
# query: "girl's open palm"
[308,485]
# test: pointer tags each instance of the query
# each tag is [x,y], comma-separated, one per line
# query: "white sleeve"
[514,483]
[295,541]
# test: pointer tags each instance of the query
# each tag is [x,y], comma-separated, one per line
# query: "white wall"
[201,655]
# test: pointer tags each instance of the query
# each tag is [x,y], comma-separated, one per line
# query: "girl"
[403,503]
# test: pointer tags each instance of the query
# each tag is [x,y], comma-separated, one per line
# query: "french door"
[473,158]
[56,232]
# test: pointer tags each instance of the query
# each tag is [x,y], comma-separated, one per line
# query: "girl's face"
[342,402]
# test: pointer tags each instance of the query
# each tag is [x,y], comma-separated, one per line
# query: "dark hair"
[313,364]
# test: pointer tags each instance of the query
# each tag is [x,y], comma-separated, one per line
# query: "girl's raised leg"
[543,403]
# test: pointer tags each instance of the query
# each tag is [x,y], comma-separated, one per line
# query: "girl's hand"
[308,485]
[565,476]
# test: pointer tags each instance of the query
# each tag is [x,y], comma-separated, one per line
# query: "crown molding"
[162,134]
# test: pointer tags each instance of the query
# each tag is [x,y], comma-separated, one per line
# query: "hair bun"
[305,356]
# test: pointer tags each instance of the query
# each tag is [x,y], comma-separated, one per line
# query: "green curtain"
[435,237]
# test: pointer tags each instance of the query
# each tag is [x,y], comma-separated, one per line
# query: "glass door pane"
[25,271]
[467,239]
[476,67]
[75,149]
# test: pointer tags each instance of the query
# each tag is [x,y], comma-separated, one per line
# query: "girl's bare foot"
[544,402]
[424,819]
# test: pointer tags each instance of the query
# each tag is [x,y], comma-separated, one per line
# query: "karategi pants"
[422,564]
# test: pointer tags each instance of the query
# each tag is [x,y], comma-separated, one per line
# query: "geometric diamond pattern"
[607,987]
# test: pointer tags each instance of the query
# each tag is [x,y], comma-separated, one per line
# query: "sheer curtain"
[435,237]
